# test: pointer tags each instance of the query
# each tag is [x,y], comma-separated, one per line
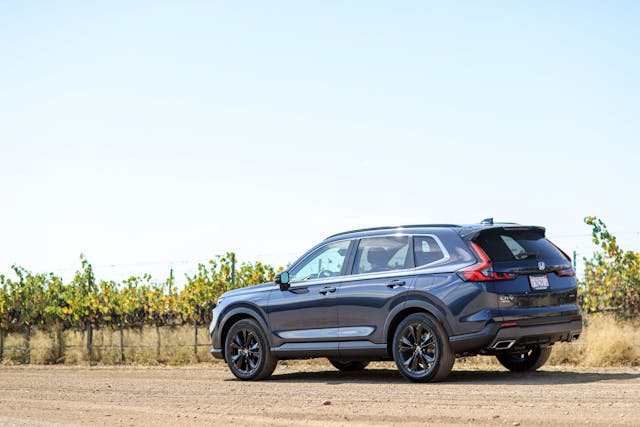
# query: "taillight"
[566,272]
[482,271]
[560,250]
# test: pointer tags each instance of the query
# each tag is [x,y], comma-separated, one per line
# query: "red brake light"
[508,324]
[566,272]
[482,270]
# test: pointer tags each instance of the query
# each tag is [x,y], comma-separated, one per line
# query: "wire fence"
[136,344]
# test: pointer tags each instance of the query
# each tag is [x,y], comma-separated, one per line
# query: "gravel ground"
[312,393]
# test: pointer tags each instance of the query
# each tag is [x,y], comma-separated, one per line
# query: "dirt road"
[207,394]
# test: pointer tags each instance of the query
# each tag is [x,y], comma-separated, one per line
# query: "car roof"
[463,230]
[394,228]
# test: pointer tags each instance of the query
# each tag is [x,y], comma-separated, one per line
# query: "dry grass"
[140,346]
[604,342]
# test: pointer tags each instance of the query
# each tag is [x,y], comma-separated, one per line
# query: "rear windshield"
[516,245]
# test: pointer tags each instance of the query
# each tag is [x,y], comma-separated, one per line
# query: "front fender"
[233,312]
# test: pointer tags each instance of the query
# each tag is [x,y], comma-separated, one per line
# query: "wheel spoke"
[426,338]
[414,364]
[428,347]
[412,334]
[419,330]
[238,362]
[238,339]
[426,361]
[405,346]
[429,359]
[253,344]
[252,363]
[409,361]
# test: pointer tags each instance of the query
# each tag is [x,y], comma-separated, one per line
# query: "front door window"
[325,262]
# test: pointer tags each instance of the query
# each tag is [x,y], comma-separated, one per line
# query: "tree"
[612,275]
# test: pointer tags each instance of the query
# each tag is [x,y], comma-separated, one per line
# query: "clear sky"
[156,134]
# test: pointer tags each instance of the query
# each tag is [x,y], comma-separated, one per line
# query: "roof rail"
[393,227]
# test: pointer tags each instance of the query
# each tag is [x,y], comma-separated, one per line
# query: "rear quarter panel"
[465,307]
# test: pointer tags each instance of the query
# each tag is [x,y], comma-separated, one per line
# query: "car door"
[307,312]
[381,277]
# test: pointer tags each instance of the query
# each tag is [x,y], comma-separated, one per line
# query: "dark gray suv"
[419,295]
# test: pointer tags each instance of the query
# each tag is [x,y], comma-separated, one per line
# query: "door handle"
[327,290]
[395,283]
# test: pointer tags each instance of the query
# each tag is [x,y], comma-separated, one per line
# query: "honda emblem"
[541,265]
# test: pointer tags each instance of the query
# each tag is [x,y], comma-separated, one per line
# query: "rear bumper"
[495,338]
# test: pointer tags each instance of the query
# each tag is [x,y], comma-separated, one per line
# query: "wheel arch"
[411,307]
[239,312]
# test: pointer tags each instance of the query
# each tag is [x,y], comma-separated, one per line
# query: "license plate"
[539,283]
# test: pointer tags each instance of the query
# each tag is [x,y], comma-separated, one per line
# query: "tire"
[349,366]
[247,351]
[529,360]
[428,358]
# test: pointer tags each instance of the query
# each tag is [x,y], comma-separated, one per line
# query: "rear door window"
[379,254]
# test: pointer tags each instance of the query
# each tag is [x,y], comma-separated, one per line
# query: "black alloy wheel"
[246,351]
[527,360]
[421,349]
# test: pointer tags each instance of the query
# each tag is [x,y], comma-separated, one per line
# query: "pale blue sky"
[151,134]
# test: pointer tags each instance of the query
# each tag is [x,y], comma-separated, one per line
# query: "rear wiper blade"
[526,255]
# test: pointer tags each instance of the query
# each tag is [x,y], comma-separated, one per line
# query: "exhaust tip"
[503,345]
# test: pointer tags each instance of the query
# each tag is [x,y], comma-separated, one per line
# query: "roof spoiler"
[471,234]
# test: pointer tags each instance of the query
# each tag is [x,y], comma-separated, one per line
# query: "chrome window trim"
[382,274]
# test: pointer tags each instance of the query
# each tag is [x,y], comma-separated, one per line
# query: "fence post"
[27,344]
[195,339]
[89,341]
[121,344]
[59,328]
[158,342]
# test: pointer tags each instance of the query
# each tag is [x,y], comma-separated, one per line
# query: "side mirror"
[282,279]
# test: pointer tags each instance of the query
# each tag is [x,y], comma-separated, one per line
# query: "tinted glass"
[382,254]
[426,250]
[517,245]
[325,262]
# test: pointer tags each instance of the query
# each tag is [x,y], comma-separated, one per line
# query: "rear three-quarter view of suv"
[419,295]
